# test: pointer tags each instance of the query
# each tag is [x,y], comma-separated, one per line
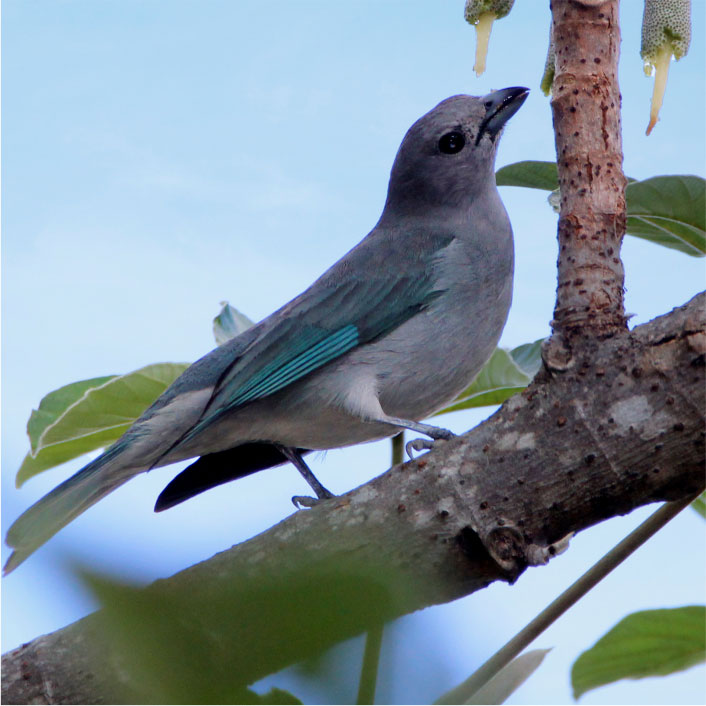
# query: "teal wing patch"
[320,326]
[273,378]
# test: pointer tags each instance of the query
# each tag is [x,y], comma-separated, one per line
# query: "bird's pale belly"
[421,380]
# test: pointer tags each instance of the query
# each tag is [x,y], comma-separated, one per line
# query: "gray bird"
[387,336]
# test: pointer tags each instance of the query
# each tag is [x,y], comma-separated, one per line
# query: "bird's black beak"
[500,106]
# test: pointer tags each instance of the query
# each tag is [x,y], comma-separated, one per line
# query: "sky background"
[162,156]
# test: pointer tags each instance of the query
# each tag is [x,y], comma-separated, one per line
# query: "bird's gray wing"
[348,307]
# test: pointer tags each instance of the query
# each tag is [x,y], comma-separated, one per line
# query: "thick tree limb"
[621,426]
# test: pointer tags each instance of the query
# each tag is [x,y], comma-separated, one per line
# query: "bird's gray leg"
[299,463]
[435,433]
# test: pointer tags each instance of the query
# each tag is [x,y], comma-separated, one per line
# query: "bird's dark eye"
[452,142]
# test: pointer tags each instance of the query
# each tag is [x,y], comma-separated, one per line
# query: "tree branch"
[586,113]
[523,639]
[621,427]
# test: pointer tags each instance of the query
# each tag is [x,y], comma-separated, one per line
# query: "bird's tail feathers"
[67,501]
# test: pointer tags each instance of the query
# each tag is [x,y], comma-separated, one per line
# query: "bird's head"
[447,157]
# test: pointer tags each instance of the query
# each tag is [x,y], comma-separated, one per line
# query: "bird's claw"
[418,445]
[428,444]
[304,501]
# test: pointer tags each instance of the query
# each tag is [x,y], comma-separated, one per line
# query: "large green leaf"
[55,403]
[91,414]
[502,685]
[667,210]
[507,372]
[644,644]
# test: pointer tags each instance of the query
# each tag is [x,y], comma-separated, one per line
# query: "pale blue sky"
[161,156]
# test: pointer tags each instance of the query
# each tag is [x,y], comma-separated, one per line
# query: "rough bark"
[586,113]
[621,427]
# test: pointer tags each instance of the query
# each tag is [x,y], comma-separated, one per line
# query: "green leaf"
[669,210]
[531,174]
[229,323]
[700,504]
[497,689]
[194,641]
[91,414]
[528,357]
[644,644]
[54,404]
[507,372]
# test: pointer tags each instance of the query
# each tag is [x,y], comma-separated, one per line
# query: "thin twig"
[577,590]
[398,448]
[371,661]
[373,639]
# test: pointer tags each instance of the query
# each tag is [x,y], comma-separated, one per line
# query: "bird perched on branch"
[388,335]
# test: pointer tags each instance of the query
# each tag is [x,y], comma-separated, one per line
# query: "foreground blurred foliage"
[182,642]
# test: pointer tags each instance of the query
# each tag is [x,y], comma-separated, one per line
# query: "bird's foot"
[305,501]
[302,501]
[436,434]
[439,433]
[418,445]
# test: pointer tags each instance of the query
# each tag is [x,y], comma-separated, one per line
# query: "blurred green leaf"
[670,211]
[195,641]
[90,415]
[700,504]
[497,689]
[507,372]
[644,644]
[229,323]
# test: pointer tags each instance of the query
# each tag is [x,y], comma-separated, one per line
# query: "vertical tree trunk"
[586,112]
